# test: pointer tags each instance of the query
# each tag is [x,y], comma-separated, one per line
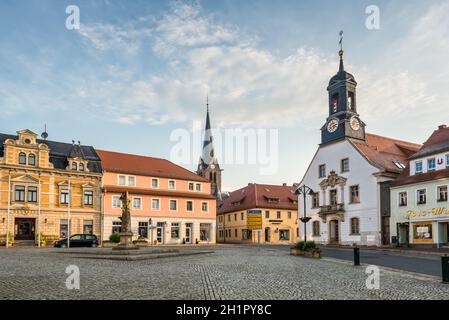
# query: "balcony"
[331,209]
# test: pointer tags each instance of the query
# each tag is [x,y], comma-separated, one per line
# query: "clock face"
[212,166]
[332,125]
[355,123]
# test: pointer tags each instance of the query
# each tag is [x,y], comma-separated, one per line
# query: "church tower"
[343,120]
[208,166]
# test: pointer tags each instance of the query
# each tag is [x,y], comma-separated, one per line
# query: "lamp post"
[304,190]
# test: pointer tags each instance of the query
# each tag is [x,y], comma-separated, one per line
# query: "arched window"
[355,226]
[74,166]
[31,159]
[22,158]
[81,166]
[316,229]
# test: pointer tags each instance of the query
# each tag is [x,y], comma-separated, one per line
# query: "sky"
[135,76]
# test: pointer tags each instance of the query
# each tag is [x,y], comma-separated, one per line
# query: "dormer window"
[431,164]
[27,141]
[81,167]
[74,166]
[418,167]
[31,159]
[22,158]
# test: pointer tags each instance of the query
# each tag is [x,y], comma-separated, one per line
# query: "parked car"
[79,240]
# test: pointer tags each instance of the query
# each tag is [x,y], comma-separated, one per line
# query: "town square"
[214,150]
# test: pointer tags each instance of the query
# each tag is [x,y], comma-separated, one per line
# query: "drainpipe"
[39,216]
[8,212]
[102,195]
[69,225]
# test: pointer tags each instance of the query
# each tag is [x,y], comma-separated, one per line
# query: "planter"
[109,244]
[140,243]
[315,253]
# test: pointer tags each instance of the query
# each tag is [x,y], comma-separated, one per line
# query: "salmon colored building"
[169,204]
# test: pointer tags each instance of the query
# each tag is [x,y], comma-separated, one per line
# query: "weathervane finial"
[340,53]
[207,102]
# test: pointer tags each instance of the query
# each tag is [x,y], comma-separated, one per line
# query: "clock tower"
[343,120]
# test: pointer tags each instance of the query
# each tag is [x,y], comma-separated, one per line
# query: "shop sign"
[435,212]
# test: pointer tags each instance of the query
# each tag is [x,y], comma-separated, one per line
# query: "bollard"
[445,268]
[356,256]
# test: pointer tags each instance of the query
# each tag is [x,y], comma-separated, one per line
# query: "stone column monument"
[126,235]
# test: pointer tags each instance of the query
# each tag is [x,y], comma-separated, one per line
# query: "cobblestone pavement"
[232,272]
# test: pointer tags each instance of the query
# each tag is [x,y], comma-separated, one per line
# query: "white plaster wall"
[361,173]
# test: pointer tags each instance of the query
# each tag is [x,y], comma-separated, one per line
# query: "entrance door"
[267,235]
[160,233]
[188,233]
[333,232]
[24,229]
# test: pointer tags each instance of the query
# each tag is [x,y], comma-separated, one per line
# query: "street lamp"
[304,190]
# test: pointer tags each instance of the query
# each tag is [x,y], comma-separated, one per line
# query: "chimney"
[443,126]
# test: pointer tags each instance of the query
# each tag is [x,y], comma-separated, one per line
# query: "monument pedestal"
[126,242]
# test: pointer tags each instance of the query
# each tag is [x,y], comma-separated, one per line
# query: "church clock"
[332,125]
[355,123]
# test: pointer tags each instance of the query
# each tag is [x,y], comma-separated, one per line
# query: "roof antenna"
[44,134]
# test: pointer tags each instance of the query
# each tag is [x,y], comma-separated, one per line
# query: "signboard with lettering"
[434,213]
[254,219]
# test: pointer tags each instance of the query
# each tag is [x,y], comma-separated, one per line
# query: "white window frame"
[207,206]
[193,186]
[435,164]
[422,167]
[437,193]
[169,204]
[141,203]
[417,196]
[157,182]
[135,181]
[112,200]
[159,206]
[168,186]
[193,205]
[196,185]
[399,198]
[118,180]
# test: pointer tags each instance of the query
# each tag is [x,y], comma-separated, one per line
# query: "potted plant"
[306,249]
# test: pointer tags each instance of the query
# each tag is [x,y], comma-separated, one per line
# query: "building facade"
[258,213]
[169,204]
[47,189]
[350,173]
[419,197]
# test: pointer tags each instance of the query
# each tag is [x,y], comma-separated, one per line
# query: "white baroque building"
[350,174]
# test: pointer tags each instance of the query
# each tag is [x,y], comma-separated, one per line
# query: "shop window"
[442,193]
[31,159]
[175,230]
[116,226]
[421,196]
[88,197]
[402,199]
[22,158]
[316,229]
[247,234]
[284,235]
[88,226]
[354,194]
[32,194]
[19,194]
[422,232]
[205,231]
[355,226]
[143,229]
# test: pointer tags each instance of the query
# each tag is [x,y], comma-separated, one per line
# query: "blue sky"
[136,71]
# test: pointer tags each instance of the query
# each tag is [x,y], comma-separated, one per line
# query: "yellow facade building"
[47,187]
[259,213]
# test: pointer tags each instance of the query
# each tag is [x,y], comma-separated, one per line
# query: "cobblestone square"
[231,272]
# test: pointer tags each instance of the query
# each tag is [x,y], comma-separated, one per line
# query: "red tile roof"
[258,196]
[383,152]
[145,166]
[157,192]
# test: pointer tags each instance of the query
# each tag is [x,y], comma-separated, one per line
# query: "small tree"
[115,237]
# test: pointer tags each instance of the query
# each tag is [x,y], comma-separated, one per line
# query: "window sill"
[354,234]
[441,200]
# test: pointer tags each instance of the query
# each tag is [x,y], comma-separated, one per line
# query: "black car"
[79,240]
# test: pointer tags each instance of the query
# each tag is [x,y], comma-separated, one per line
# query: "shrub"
[305,245]
[115,237]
